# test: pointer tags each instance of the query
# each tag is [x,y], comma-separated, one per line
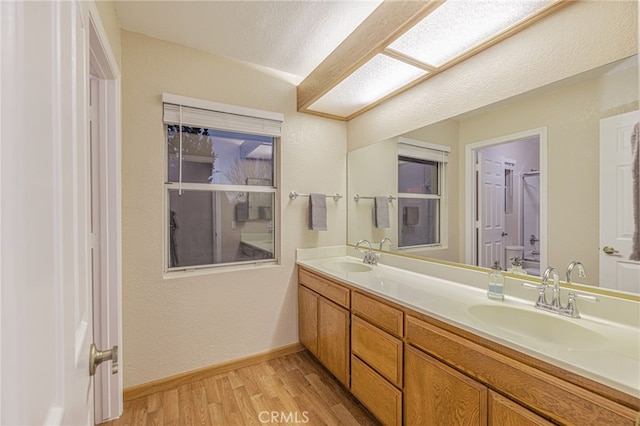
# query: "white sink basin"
[544,327]
[345,266]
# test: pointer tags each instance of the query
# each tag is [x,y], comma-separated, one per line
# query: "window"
[421,200]
[508,186]
[220,184]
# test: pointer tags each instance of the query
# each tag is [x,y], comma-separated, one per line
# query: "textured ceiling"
[288,36]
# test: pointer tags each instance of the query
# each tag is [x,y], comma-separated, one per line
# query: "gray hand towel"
[317,212]
[381,212]
[411,215]
[242,211]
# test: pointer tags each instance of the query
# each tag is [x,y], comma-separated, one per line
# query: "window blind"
[213,115]
[430,153]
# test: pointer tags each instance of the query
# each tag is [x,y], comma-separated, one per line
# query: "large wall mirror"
[530,177]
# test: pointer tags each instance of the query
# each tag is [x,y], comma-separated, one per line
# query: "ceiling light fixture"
[403,43]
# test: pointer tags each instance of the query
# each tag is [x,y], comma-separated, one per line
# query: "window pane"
[417,176]
[419,221]
[241,222]
[213,156]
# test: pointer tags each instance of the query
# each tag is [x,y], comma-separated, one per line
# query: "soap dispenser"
[496,283]
[516,267]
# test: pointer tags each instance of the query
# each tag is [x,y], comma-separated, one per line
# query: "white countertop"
[613,358]
[260,241]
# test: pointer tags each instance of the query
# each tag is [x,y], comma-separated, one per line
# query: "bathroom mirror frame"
[501,105]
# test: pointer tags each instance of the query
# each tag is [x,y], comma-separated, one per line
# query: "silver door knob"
[609,250]
[97,357]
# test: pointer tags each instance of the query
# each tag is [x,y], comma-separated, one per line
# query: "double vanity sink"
[594,346]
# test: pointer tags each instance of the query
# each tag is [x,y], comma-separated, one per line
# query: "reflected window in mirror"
[421,195]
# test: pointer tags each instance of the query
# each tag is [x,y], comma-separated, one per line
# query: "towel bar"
[293,195]
[357,198]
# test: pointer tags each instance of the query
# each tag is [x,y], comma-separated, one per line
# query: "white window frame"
[420,150]
[185,111]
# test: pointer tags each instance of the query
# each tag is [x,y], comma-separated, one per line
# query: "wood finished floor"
[292,389]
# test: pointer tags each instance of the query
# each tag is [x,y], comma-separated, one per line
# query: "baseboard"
[172,382]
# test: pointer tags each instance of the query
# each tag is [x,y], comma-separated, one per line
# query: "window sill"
[426,247]
[220,269]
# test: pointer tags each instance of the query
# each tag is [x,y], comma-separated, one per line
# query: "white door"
[105,234]
[616,204]
[490,208]
[105,187]
[45,214]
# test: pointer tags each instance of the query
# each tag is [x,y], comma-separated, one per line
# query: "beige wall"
[176,325]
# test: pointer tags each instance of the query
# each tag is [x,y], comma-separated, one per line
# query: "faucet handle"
[542,299]
[539,287]
[572,307]
[573,295]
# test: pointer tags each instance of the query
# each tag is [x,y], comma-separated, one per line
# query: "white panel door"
[106,229]
[490,208]
[616,204]
[46,312]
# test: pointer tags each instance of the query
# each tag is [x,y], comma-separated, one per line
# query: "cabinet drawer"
[384,316]
[375,393]
[504,412]
[377,348]
[332,291]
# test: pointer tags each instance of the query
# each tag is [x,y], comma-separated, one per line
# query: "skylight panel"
[374,80]
[458,25]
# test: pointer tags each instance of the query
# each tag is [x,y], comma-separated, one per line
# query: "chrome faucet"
[386,240]
[571,309]
[370,258]
[581,272]
[555,300]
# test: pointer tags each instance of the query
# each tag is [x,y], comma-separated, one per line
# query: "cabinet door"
[308,319]
[333,339]
[435,394]
[504,412]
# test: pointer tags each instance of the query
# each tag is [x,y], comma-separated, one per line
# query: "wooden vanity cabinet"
[409,368]
[529,389]
[377,357]
[324,322]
